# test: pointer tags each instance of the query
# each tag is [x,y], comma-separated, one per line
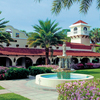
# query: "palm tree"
[46,34]
[2,23]
[4,37]
[98,48]
[94,36]
[58,5]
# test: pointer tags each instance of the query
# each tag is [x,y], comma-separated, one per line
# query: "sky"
[23,14]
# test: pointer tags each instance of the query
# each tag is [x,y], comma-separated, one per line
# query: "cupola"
[79,32]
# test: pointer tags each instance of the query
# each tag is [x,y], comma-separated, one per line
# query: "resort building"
[19,54]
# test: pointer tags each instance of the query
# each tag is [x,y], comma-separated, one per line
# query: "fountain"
[63,73]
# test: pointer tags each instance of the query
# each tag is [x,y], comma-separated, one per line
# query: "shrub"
[79,90]
[39,70]
[3,69]
[2,76]
[16,73]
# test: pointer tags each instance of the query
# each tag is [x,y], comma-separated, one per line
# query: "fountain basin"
[51,80]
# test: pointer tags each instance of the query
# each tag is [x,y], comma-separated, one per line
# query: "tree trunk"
[93,47]
[47,55]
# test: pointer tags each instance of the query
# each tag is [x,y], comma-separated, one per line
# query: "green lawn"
[1,88]
[94,72]
[12,96]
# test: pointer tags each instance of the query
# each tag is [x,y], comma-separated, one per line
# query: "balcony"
[79,32]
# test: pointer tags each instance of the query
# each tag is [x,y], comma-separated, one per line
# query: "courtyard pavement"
[28,88]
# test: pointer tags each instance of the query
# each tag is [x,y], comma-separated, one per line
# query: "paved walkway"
[28,88]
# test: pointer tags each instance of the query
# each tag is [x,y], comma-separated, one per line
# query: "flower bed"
[17,66]
[74,66]
[96,65]
[3,70]
[52,66]
[89,65]
[79,90]
[80,65]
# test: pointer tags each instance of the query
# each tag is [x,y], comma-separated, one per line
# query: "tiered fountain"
[63,73]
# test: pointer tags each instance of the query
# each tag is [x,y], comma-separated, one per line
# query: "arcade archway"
[85,60]
[56,61]
[41,61]
[5,61]
[74,60]
[96,60]
[24,61]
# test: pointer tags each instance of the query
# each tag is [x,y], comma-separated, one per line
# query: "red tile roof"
[78,53]
[80,21]
[77,46]
[96,45]
[38,52]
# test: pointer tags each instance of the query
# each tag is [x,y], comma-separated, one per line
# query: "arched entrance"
[85,60]
[5,61]
[41,61]
[56,61]
[74,60]
[96,60]
[24,61]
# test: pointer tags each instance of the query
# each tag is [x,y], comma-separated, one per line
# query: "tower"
[79,33]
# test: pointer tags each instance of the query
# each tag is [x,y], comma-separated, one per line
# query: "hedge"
[39,70]
[17,73]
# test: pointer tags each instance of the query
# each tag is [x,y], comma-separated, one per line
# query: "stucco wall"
[85,41]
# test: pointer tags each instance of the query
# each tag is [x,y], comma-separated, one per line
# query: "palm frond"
[41,24]
[58,5]
[37,0]
[84,6]
[2,19]
[54,26]
[98,4]
[95,35]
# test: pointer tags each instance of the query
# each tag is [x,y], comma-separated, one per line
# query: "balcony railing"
[79,32]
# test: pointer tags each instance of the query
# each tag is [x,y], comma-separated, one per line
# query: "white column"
[13,63]
[91,60]
[79,60]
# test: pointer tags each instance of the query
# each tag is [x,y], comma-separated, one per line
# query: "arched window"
[96,60]
[75,29]
[9,31]
[85,28]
